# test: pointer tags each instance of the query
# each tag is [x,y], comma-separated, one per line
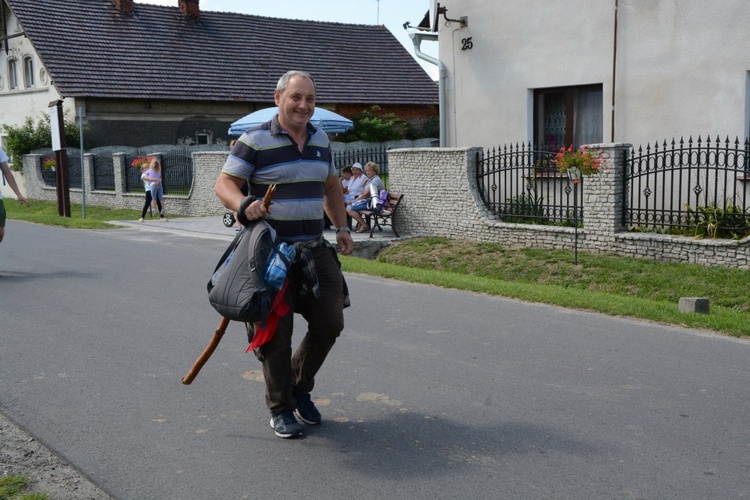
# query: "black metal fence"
[133,182]
[521,184]
[177,176]
[74,170]
[377,154]
[48,175]
[177,170]
[700,186]
[104,173]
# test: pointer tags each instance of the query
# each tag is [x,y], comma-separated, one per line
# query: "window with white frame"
[565,116]
[28,72]
[12,74]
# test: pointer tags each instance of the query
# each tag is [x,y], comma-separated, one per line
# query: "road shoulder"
[22,455]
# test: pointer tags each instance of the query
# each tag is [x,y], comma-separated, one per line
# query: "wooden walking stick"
[207,352]
[269,195]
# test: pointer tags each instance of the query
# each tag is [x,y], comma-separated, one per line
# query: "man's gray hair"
[284,80]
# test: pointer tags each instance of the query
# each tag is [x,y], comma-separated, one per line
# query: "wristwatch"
[339,229]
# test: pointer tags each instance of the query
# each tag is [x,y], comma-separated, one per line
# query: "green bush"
[429,128]
[21,140]
[712,221]
[524,208]
[373,126]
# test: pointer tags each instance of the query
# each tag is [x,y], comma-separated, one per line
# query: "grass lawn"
[608,284]
[45,212]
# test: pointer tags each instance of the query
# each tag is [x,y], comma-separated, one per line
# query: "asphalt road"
[429,393]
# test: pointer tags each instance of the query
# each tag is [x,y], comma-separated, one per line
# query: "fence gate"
[104,173]
[177,170]
[177,174]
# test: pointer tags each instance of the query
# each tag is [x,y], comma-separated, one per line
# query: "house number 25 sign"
[466,44]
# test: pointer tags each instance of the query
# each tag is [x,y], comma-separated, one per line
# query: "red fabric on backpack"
[278,310]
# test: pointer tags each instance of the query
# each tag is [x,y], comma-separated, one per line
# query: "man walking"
[12,183]
[290,152]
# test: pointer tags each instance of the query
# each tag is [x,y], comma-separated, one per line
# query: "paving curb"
[213,228]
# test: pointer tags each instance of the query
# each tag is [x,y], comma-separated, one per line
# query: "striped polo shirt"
[266,155]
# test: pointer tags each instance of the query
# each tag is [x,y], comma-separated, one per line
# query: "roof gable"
[90,49]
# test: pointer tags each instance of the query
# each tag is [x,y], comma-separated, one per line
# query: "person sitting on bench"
[360,202]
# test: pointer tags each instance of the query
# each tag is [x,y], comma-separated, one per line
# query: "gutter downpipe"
[614,72]
[416,39]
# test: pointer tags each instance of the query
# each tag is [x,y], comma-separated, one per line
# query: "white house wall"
[21,102]
[681,66]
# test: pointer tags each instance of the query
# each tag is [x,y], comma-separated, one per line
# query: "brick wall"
[190,8]
[125,6]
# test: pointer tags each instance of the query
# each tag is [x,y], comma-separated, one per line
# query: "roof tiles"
[92,50]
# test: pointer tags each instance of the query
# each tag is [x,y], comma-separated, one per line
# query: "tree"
[372,126]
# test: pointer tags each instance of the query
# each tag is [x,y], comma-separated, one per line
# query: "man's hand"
[256,210]
[345,243]
[23,199]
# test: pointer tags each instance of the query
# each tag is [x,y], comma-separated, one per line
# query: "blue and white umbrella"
[330,122]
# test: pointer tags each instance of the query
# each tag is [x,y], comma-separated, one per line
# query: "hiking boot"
[306,411]
[285,426]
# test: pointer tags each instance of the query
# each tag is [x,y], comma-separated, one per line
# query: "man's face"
[296,103]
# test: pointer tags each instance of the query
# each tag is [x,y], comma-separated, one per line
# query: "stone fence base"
[441,199]
[200,200]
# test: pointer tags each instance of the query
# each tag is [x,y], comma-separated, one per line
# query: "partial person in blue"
[295,156]
[6,172]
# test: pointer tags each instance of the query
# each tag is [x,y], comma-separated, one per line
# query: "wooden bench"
[384,218]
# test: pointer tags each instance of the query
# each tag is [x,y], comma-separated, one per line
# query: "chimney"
[190,8]
[124,6]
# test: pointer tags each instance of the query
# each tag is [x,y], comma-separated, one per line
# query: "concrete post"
[603,193]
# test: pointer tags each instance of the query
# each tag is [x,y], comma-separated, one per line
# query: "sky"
[391,13]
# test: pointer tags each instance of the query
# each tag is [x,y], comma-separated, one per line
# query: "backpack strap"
[246,201]
[231,248]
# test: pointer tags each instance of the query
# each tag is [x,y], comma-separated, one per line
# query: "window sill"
[24,91]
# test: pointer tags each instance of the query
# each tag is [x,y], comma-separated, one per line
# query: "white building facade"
[24,82]
[566,72]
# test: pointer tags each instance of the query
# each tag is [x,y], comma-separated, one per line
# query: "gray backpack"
[237,289]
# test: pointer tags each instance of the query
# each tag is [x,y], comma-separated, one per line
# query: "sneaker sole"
[304,420]
[285,435]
